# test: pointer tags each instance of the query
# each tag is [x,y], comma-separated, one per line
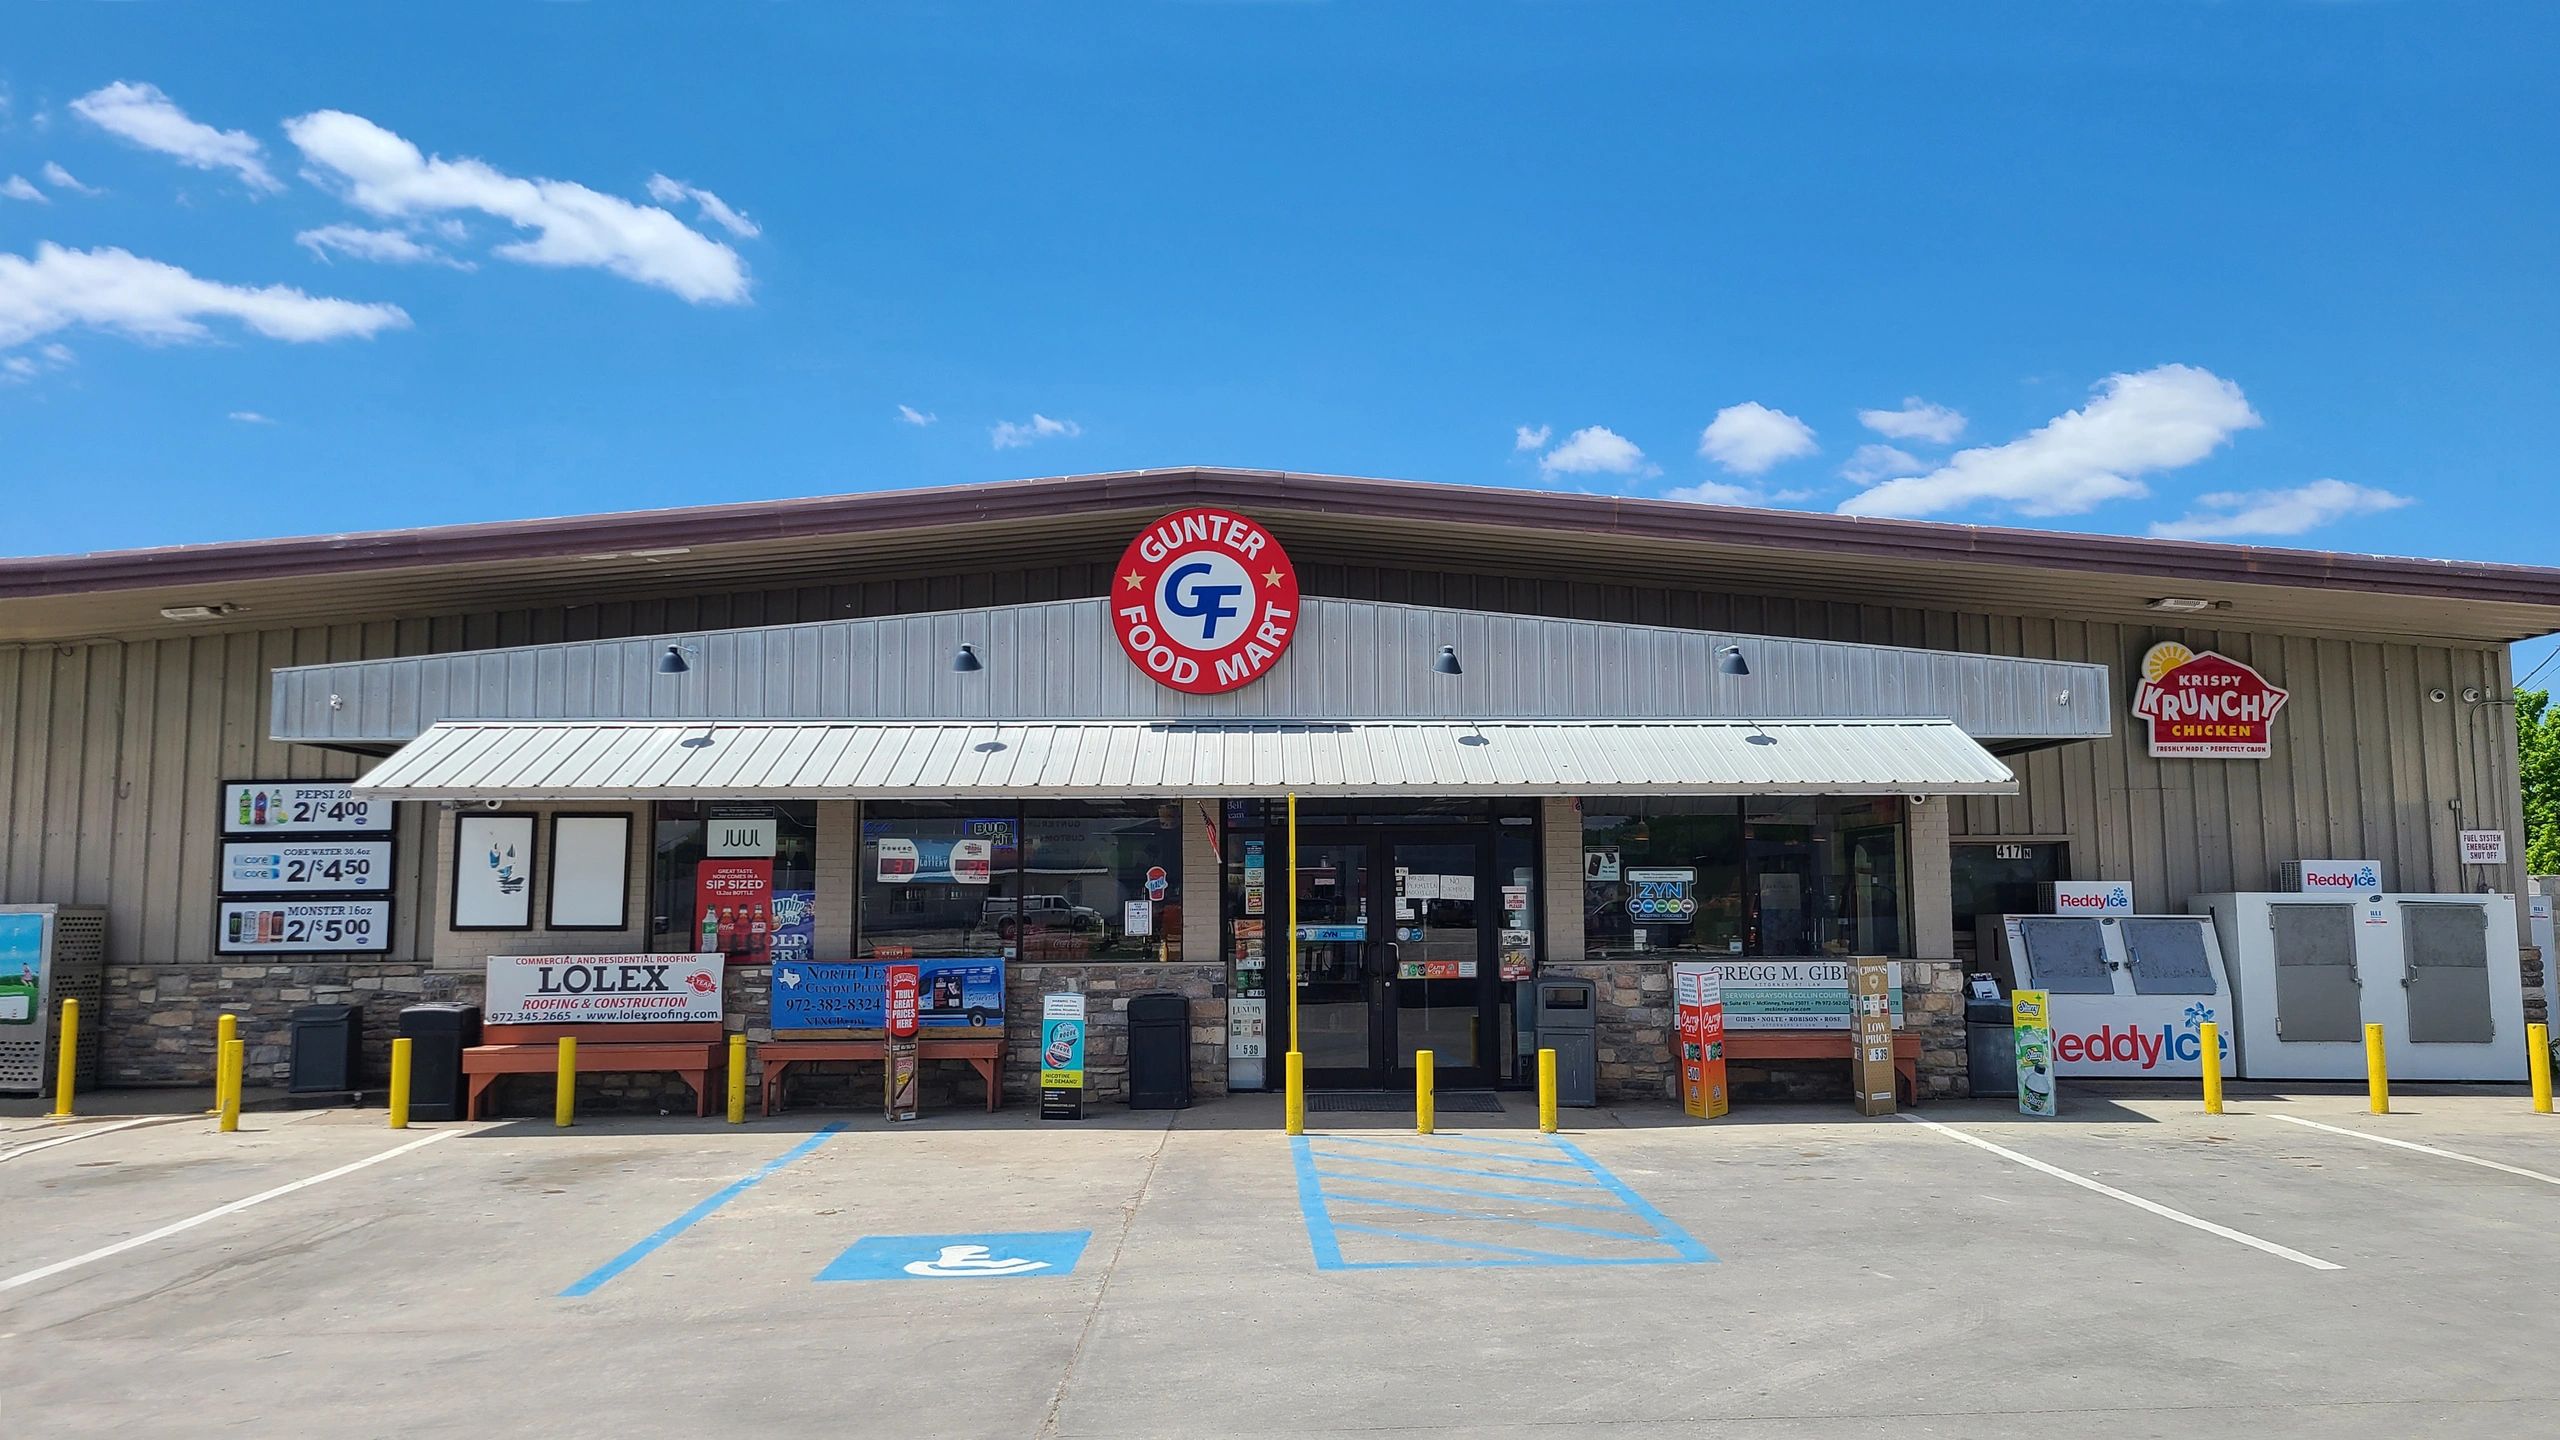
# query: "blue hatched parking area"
[1460,1201]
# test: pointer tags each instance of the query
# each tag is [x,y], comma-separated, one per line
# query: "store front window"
[736,878]
[1780,876]
[1048,881]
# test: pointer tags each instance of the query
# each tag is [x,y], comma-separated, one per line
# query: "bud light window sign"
[291,807]
[853,995]
[1062,1023]
[602,989]
[1662,895]
[935,862]
[795,925]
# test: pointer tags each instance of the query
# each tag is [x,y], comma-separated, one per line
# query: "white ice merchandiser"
[2126,994]
[48,953]
[2439,972]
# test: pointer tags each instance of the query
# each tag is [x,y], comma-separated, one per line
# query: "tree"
[2538,754]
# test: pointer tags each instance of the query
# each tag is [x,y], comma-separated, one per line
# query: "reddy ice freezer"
[2127,994]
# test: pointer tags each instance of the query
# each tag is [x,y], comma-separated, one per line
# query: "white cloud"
[61,179]
[1012,435]
[2277,512]
[910,415]
[16,187]
[1881,462]
[1749,438]
[1916,420]
[2158,419]
[150,119]
[391,247]
[714,209]
[1597,450]
[1716,492]
[573,226]
[19,369]
[110,289]
[1525,437]
[251,417]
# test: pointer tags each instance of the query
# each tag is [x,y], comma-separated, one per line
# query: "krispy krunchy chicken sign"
[2205,706]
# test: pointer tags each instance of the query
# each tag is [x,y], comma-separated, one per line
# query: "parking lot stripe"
[1435,1150]
[2424,1149]
[1338,1175]
[1672,1235]
[87,1132]
[2136,1201]
[45,1272]
[595,1279]
[1460,1170]
[1495,1215]
[1542,1257]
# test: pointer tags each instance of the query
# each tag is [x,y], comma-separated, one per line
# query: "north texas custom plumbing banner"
[602,989]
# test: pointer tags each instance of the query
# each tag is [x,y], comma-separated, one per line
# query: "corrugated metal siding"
[1058,661]
[2351,773]
[602,759]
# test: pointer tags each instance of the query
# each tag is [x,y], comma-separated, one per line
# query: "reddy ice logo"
[2137,1048]
[2205,706]
[1205,601]
[2359,875]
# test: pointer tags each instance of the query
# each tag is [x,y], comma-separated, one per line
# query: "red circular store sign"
[1204,601]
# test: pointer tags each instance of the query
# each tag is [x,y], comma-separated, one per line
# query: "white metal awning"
[919,759]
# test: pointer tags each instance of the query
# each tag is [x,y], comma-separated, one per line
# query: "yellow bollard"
[1546,1092]
[737,1079]
[1294,1104]
[66,1067]
[2376,1085]
[225,1030]
[564,1102]
[1422,1106]
[2209,1040]
[400,1083]
[2537,1041]
[235,1058]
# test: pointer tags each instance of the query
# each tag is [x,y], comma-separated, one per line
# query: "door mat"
[1450,1102]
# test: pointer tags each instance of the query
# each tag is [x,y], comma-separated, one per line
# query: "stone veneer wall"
[1635,1020]
[158,1023]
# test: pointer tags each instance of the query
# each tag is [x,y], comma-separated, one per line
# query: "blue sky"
[2273,273]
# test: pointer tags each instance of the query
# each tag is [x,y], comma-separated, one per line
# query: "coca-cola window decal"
[492,872]
[589,888]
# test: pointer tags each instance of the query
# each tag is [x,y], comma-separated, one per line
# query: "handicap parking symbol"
[960,1257]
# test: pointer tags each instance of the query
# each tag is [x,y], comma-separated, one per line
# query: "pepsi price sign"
[1204,601]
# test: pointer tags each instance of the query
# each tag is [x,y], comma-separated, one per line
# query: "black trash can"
[1159,1051]
[328,1050]
[1991,1053]
[438,1033]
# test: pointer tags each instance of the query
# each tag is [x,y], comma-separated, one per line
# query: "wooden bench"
[1743,1047]
[694,1050]
[983,1049]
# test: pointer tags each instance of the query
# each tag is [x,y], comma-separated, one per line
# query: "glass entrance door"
[1395,954]
[1339,960]
[1442,989]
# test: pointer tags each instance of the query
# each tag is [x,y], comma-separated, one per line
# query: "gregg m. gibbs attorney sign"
[602,989]
[2205,706]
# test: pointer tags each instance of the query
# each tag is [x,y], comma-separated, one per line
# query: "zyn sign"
[2205,706]
[1205,601]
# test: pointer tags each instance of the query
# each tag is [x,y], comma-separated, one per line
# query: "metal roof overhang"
[953,759]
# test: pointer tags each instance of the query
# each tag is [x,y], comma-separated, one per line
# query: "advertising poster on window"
[602,989]
[493,872]
[935,862]
[795,925]
[733,909]
[842,995]
[1662,895]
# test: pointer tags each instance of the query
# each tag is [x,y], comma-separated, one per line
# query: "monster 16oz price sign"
[302,927]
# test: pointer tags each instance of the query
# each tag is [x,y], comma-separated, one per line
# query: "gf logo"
[1202,601]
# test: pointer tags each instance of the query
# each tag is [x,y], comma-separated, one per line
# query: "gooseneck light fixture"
[671,660]
[1729,661]
[1448,664]
[966,662]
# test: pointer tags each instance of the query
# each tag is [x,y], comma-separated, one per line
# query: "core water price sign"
[302,927]
[319,807]
[603,989]
[290,867]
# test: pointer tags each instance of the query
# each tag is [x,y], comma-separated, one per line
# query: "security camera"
[1919,799]
[2470,694]
[2436,694]
[491,804]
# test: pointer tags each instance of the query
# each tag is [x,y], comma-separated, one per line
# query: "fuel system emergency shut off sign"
[1205,601]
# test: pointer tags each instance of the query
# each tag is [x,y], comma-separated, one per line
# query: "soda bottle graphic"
[244,809]
[728,928]
[710,927]
[759,934]
[261,809]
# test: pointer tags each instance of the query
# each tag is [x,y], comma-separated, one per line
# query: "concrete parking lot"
[2132,1268]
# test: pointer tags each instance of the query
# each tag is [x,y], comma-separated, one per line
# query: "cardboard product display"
[1699,1007]
[2032,1035]
[1870,980]
[899,1076]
